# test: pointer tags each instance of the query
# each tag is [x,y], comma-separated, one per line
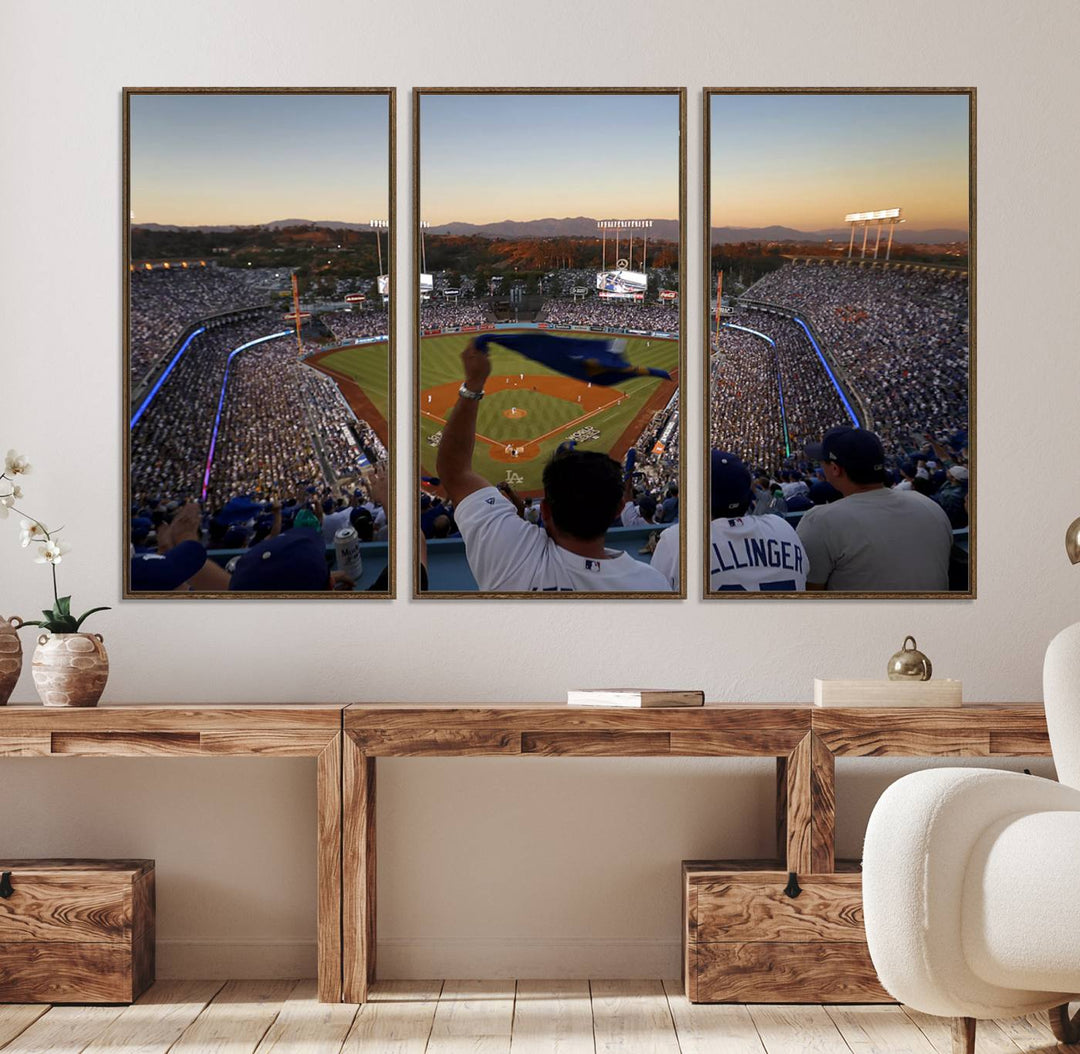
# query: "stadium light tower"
[376,226]
[623,225]
[423,248]
[864,219]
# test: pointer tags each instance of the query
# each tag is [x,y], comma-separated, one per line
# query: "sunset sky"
[804,161]
[250,159]
[485,158]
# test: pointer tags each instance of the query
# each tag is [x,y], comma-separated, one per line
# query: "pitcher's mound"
[515,412]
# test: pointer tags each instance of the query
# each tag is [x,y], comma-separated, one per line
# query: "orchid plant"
[51,549]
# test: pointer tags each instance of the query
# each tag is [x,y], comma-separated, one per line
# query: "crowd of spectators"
[761,386]
[924,442]
[900,336]
[357,325]
[164,303]
[286,438]
[439,314]
[659,466]
[661,317]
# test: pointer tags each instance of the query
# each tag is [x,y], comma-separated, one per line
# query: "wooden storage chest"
[747,940]
[76,931]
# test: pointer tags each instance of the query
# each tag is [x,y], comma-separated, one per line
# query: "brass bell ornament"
[910,664]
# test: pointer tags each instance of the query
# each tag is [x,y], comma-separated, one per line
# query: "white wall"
[495,866]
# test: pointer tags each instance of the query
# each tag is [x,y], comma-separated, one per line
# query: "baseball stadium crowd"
[759,389]
[285,439]
[353,325]
[659,465]
[165,302]
[440,314]
[898,340]
[655,317]
[901,336]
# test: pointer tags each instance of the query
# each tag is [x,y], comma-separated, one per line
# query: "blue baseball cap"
[164,571]
[141,526]
[729,489]
[294,561]
[822,493]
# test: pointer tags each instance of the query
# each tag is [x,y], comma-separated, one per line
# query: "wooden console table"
[208,730]
[804,739]
[347,740]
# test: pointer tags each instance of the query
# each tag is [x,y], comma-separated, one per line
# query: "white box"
[888,693]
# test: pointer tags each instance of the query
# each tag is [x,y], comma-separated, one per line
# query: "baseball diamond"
[529,409]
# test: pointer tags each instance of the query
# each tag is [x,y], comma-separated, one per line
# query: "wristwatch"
[468,393]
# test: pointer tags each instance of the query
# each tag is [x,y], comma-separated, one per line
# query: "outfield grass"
[369,366]
[440,363]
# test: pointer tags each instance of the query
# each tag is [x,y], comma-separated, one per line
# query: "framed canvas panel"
[549,317]
[839,388]
[258,342]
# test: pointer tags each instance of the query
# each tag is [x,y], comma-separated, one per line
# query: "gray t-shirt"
[878,540]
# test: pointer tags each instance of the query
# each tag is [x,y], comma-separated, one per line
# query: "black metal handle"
[5,885]
[792,889]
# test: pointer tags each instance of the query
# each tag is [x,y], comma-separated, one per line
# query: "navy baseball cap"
[821,493]
[729,484]
[141,526]
[856,450]
[294,561]
[164,571]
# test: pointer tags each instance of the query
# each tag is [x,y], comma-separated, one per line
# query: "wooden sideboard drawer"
[76,931]
[746,939]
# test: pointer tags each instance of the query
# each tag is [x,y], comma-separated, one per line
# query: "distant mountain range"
[569,227]
[585,227]
[275,225]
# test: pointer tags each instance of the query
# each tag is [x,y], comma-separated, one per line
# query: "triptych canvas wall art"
[546,312]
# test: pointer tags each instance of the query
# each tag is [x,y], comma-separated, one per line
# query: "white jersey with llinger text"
[755,552]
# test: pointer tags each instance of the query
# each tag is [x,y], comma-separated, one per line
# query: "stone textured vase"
[70,669]
[10,656]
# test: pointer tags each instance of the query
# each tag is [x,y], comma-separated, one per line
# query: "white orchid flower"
[52,552]
[16,464]
[31,531]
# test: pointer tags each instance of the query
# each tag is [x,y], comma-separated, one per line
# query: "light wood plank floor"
[478,1017]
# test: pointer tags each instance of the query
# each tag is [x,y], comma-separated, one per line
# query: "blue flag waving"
[596,361]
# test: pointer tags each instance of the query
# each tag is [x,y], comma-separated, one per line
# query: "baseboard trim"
[418,958]
[222,958]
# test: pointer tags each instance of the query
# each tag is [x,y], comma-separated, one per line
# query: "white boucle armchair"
[971,880]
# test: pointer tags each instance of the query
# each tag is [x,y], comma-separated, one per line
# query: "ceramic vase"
[70,669]
[10,656]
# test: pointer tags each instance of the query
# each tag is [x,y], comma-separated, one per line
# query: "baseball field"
[362,373]
[529,410]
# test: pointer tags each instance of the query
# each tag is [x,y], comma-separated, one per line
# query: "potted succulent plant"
[70,667]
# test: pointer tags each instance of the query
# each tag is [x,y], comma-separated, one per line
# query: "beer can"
[347,550]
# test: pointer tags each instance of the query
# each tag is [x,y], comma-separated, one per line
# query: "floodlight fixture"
[864,219]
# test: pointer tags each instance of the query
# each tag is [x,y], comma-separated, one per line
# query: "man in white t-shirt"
[582,497]
[334,519]
[746,553]
[876,539]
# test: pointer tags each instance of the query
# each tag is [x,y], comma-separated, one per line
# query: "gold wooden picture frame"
[520,302]
[259,219]
[886,315]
